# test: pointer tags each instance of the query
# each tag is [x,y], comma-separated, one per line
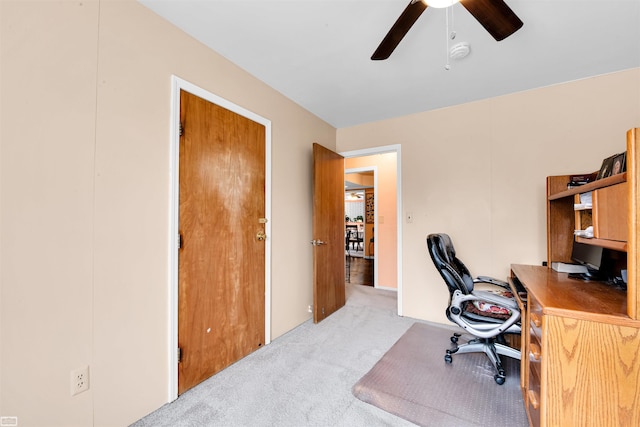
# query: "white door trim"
[395,148]
[178,84]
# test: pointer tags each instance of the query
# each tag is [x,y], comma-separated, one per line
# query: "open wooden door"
[328,232]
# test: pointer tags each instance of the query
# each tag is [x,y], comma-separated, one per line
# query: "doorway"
[388,225]
[216,336]
[361,185]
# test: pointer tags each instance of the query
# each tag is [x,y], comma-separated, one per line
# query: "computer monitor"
[590,256]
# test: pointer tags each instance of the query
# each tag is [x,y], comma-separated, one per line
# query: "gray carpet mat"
[413,382]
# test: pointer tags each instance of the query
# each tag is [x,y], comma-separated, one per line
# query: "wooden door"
[221,261]
[328,232]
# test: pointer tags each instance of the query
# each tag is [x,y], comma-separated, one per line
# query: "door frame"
[395,148]
[178,84]
[373,169]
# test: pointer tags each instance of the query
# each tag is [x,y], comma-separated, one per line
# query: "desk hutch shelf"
[581,340]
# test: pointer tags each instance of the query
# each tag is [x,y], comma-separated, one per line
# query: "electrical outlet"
[8,421]
[310,309]
[79,380]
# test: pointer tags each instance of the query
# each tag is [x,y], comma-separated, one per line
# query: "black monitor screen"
[588,255]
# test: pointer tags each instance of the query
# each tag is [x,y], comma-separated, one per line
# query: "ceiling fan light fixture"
[438,4]
[494,15]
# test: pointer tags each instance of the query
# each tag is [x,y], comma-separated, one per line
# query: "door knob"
[318,242]
[261,236]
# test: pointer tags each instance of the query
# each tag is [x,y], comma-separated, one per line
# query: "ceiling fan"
[494,15]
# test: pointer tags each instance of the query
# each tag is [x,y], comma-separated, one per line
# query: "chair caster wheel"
[448,358]
[454,339]
[499,379]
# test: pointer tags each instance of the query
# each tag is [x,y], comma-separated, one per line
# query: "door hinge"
[180,241]
[180,128]
[179,355]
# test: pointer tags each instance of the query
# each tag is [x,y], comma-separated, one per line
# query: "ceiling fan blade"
[399,29]
[495,16]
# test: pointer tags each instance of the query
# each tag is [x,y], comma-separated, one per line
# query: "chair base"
[490,347]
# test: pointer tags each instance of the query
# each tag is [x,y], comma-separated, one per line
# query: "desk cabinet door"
[610,212]
[598,363]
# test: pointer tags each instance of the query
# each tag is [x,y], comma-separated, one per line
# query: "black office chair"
[486,315]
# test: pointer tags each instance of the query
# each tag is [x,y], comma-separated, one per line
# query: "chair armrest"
[480,329]
[491,280]
[486,296]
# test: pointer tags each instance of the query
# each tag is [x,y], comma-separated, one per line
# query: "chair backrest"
[347,239]
[454,273]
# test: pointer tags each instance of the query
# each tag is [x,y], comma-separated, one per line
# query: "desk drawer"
[534,359]
[535,317]
[533,398]
[535,355]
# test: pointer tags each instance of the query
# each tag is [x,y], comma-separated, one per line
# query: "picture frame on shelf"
[607,166]
[619,164]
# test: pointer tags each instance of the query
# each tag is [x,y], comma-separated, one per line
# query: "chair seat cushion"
[483,308]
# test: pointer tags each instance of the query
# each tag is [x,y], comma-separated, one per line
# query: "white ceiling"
[316,52]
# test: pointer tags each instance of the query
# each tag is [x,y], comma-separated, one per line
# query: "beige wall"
[84,134]
[387,214]
[85,199]
[363,179]
[477,172]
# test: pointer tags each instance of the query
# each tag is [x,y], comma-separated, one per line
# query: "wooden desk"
[583,363]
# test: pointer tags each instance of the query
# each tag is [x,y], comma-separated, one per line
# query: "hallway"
[359,271]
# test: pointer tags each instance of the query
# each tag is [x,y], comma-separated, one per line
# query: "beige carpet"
[413,382]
